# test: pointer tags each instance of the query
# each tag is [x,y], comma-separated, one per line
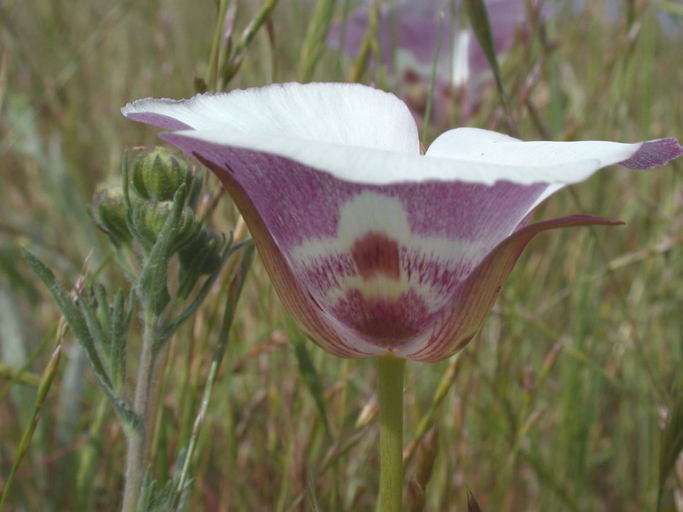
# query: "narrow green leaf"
[43,388]
[671,445]
[309,374]
[472,505]
[152,287]
[238,53]
[72,314]
[368,43]
[125,173]
[671,6]
[17,375]
[172,326]
[479,20]
[99,335]
[234,294]
[119,327]
[103,309]
[314,42]
[78,326]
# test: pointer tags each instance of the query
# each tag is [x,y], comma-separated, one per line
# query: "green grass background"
[558,405]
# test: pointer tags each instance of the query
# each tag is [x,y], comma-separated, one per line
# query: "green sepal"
[158,173]
[149,219]
[202,256]
[151,287]
[109,213]
[173,325]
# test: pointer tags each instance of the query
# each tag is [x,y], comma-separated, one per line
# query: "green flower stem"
[390,370]
[137,438]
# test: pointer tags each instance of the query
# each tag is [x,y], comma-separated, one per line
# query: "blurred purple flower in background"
[411,35]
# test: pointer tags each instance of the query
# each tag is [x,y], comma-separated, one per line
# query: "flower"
[414,31]
[373,247]
[410,34]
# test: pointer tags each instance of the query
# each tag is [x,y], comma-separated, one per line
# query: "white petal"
[347,114]
[375,166]
[360,134]
[495,148]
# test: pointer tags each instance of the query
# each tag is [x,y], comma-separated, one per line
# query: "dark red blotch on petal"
[386,323]
[376,253]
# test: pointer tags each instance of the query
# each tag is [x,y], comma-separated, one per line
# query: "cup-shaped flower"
[373,247]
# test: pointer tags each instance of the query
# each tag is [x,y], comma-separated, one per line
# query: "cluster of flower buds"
[135,212]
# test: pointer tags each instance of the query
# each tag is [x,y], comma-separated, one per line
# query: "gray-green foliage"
[146,234]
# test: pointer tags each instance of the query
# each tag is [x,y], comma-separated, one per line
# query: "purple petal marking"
[300,203]
[654,153]
[305,211]
[388,323]
[160,120]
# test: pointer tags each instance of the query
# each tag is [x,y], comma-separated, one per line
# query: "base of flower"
[390,372]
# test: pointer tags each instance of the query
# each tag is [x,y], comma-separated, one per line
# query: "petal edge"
[477,294]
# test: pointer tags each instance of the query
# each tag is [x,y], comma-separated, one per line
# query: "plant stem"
[212,79]
[390,370]
[137,439]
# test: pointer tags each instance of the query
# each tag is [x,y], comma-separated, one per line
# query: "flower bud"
[203,253]
[149,218]
[157,174]
[109,212]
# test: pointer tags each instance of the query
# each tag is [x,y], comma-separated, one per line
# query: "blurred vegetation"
[560,403]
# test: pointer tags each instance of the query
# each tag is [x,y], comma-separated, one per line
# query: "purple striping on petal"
[654,153]
[299,203]
[326,273]
[160,120]
[474,297]
[434,273]
[330,272]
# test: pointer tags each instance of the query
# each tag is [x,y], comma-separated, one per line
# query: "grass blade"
[234,293]
[314,43]
[309,374]
[472,505]
[43,389]
[479,20]
[671,447]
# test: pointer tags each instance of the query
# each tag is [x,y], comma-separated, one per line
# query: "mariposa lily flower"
[372,246]
[416,30]
[417,39]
